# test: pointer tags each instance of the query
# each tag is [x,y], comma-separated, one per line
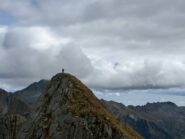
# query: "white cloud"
[28,56]
[39,38]
[107,43]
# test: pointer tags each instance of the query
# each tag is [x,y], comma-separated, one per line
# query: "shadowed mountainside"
[153,120]
[31,93]
[11,104]
[13,113]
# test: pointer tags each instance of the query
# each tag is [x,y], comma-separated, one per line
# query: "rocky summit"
[69,110]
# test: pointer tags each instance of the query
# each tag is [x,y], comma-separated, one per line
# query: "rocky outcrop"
[13,113]
[68,110]
[10,126]
[11,104]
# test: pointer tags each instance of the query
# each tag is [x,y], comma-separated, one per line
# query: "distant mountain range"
[152,121]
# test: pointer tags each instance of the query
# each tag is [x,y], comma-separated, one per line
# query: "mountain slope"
[11,104]
[68,109]
[31,93]
[10,125]
[154,120]
[12,114]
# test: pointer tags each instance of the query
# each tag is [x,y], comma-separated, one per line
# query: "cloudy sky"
[110,44]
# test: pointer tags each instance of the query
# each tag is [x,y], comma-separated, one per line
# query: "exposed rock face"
[12,114]
[154,120]
[68,110]
[11,104]
[10,126]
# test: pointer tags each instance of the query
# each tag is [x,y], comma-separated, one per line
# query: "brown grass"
[88,102]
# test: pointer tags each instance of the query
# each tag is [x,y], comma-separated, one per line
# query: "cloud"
[32,57]
[107,43]
[26,58]
[40,38]
[146,74]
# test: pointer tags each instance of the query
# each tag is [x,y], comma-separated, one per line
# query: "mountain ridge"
[153,120]
[31,93]
[136,116]
[68,109]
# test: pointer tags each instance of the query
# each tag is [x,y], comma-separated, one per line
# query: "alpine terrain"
[68,110]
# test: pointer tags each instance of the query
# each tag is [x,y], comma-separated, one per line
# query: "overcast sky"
[132,44]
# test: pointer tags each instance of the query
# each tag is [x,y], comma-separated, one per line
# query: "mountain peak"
[68,109]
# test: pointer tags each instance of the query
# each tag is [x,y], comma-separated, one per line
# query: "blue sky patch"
[6,18]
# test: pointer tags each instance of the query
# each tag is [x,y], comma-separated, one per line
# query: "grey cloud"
[145,37]
[62,11]
[144,20]
[20,61]
[17,38]
[150,74]
[75,61]
[22,64]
